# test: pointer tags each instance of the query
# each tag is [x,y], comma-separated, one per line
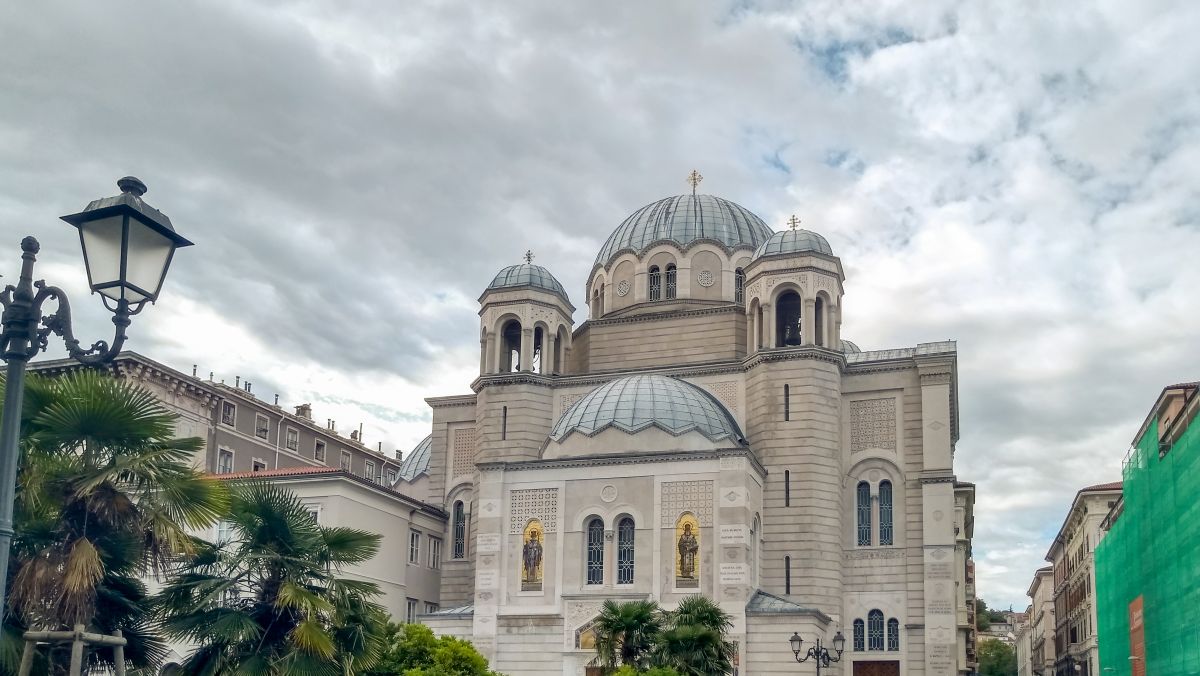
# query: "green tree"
[983,617]
[414,651]
[693,641]
[997,658]
[106,494]
[626,633]
[269,601]
[652,671]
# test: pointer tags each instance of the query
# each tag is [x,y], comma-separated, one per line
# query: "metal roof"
[790,241]
[635,403]
[417,460]
[528,274]
[684,219]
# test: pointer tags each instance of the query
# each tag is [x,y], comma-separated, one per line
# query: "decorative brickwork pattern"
[565,401]
[687,496]
[533,503]
[873,424]
[726,392]
[463,449]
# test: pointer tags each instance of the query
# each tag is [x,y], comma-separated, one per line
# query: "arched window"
[864,514]
[819,321]
[655,280]
[625,533]
[460,531]
[510,347]
[539,341]
[893,634]
[885,513]
[787,575]
[787,488]
[875,630]
[595,551]
[787,319]
[739,286]
[860,632]
[787,402]
[670,281]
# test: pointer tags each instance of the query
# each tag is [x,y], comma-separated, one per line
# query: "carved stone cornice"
[723,308]
[775,354]
[451,401]
[937,477]
[615,459]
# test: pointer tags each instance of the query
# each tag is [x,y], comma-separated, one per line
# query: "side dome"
[850,347]
[795,241]
[683,220]
[416,462]
[634,403]
[528,274]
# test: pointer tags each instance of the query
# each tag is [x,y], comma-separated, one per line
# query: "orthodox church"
[707,430]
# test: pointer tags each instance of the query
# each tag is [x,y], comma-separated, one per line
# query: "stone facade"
[831,504]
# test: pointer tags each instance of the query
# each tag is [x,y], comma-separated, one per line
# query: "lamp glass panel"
[102,252]
[149,252]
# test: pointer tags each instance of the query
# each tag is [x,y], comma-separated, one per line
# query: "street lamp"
[127,248]
[818,653]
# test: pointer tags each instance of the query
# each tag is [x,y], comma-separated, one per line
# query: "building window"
[391,477]
[228,412]
[655,279]
[293,439]
[885,513]
[414,546]
[224,532]
[431,608]
[819,321]
[864,514]
[224,462]
[410,611]
[435,553]
[860,641]
[625,535]
[262,426]
[671,281]
[460,531]
[319,451]
[504,423]
[787,488]
[314,513]
[595,552]
[893,634]
[787,575]
[875,630]
[258,465]
[370,471]
[739,286]
[787,319]
[346,461]
[787,402]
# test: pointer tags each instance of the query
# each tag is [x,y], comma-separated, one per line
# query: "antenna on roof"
[193,370]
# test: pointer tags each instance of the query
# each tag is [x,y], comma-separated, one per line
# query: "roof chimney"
[237,381]
[304,411]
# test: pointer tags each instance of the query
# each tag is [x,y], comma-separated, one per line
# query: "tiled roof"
[796,241]
[279,472]
[1111,486]
[528,274]
[683,220]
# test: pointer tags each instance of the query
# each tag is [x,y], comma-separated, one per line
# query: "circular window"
[705,278]
[623,288]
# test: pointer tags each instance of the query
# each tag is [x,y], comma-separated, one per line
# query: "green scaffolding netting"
[1153,551]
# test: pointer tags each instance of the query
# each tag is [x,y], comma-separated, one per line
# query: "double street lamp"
[127,248]
[818,653]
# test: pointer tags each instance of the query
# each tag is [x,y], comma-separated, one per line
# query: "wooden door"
[879,668]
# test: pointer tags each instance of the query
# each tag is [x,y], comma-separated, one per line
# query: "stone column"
[526,349]
[489,353]
[548,363]
[808,324]
[768,330]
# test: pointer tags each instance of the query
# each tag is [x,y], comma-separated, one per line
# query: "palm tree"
[105,496]
[268,600]
[626,633]
[693,639]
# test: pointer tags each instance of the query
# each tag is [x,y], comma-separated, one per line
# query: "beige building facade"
[707,430]
[1042,650]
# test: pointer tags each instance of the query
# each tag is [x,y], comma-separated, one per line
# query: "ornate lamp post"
[127,248]
[818,653]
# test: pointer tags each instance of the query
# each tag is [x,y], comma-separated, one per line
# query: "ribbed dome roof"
[528,274]
[417,460]
[849,347]
[635,403]
[794,241]
[685,219]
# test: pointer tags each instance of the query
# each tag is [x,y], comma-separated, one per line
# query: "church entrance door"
[889,668]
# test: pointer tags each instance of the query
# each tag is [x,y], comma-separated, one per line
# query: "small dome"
[635,403]
[528,274]
[795,241]
[685,219]
[417,460]
[849,347]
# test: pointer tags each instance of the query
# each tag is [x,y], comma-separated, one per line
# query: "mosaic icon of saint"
[688,548]
[531,557]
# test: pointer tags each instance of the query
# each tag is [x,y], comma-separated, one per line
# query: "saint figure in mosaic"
[687,548]
[531,557]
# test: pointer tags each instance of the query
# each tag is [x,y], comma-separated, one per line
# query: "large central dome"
[684,220]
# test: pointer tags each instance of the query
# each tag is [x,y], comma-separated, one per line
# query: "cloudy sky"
[1019,176]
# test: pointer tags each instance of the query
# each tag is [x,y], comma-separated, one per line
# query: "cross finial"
[793,222]
[694,178]
[528,256]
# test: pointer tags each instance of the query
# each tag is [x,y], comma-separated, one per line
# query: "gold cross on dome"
[694,178]
[528,256]
[793,222]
